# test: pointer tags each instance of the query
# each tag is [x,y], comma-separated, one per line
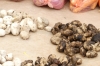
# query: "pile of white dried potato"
[20,23]
[8,59]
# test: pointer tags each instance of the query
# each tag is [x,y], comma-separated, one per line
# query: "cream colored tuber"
[2,32]
[10,12]
[45,21]
[2,60]
[2,26]
[15,29]
[42,22]
[1,20]
[31,24]
[3,53]
[8,63]
[39,23]
[24,34]
[9,57]
[17,61]
[24,15]
[3,13]
[7,20]
[23,22]
[17,16]
[48,28]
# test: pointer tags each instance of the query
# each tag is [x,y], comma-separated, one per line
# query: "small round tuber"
[3,53]
[2,60]
[10,12]
[9,57]
[3,13]
[17,16]
[15,29]
[8,63]
[17,61]
[42,22]
[31,24]
[24,35]
[79,61]
[56,38]
[2,32]
[7,20]
[2,26]
[48,28]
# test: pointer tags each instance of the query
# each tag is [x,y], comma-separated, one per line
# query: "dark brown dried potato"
[96,37]
[77,23]
[56,38]
[62,46]
[56,29]
[91,54]
[77,38]
[79,61]
[27,63]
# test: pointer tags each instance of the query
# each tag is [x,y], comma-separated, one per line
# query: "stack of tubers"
[71,38]
[8,59]
[52,60]
[20,23]
[75,37]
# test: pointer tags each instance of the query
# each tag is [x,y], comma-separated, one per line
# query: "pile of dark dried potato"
[71,38]
[54,61]
[75,37]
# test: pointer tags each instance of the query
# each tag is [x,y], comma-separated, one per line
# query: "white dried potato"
[15,28]
[17,61]
[31,24]
[3,13]
[48,28]
[24,35]
[17,17]
[1,20]
[2,60]
[42,22]
[8,63]
[7,20]
[2,32]
[9,57]
[2,26]
[23,22]
[10,12]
